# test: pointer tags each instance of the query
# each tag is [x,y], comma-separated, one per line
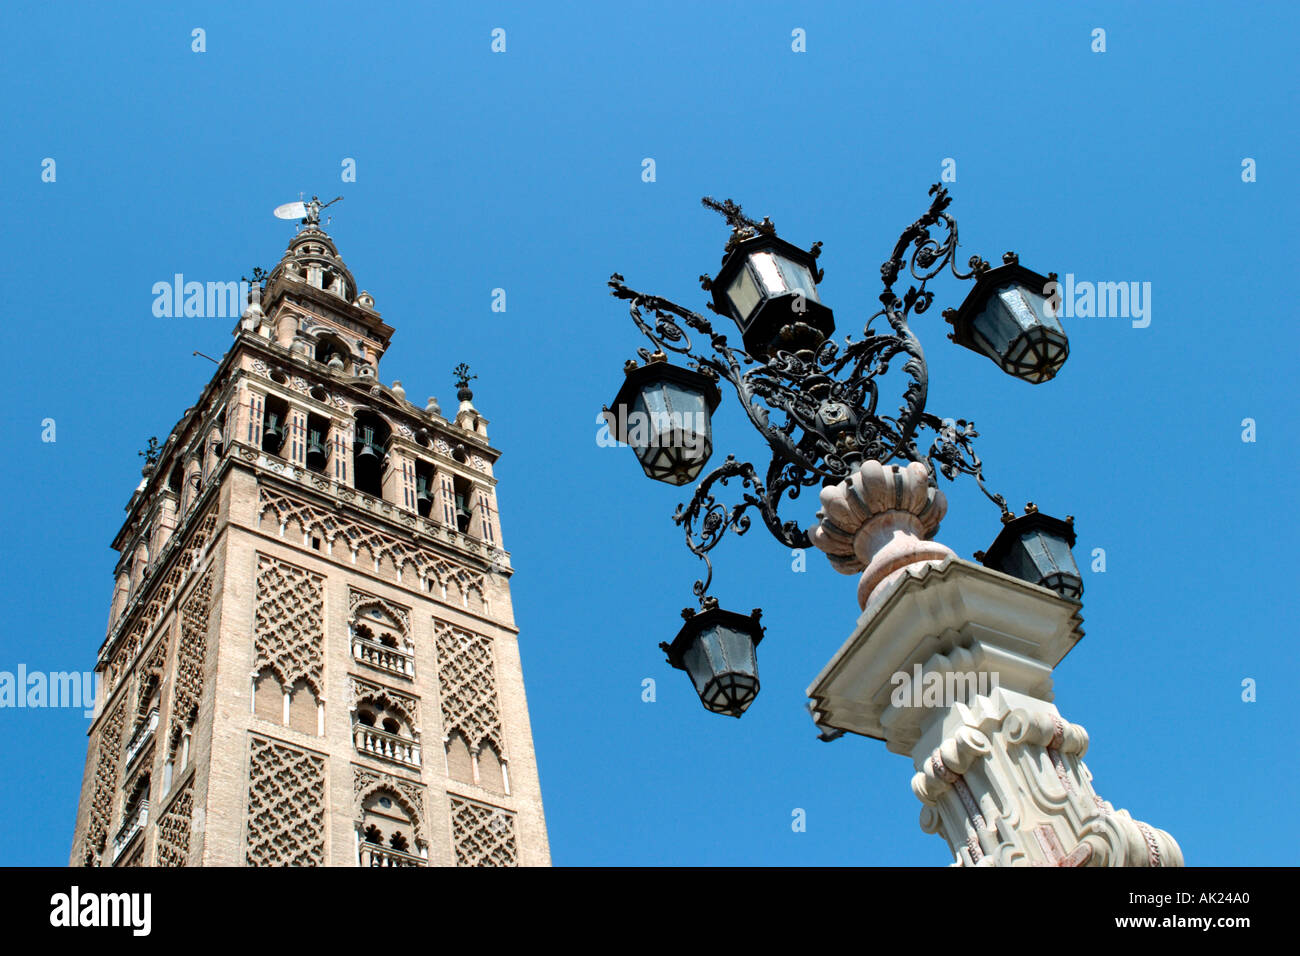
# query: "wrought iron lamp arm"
[800,385]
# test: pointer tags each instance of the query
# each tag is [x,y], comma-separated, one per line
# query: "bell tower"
[311,657]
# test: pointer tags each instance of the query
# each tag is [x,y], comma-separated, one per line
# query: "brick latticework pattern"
[188,689]
[174,829]
[101,804]
[483,835]
[289,624]
[286,806]
[458,579]
[143,622]
[469,694]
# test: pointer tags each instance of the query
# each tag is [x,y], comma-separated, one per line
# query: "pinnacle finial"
[742,226]
[463,378]
[150,454]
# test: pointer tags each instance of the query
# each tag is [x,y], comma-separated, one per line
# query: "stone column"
[951,664]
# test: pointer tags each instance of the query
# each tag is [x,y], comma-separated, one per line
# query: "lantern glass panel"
[769,272]
[1046,559]
[1059,549]
[1042,306]
[997,326]
[1037,558]
[798,278]
[744,294]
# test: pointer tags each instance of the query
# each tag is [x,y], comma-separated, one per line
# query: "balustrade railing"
[380,743]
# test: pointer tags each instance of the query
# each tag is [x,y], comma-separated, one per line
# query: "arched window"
[318,442]
[389,831]
[425,487]
[268,696]
[491,770]
[379,639]
[303,707]
[460,765]
[275,425]
[384,729]
[333,351]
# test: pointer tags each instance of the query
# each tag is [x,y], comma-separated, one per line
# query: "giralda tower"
[311,656]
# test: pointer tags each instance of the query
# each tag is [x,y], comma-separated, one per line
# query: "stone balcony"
[143,734]
[383,657]
[134,819]
[380,743]
[372,854]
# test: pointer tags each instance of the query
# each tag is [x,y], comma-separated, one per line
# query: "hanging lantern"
[769,287]
[719,651]
[1036,548]
[1010,316]
[665,413]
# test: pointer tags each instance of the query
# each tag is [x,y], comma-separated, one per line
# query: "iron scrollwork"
[827,397]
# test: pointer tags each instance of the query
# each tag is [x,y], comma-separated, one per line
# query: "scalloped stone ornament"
[879,521]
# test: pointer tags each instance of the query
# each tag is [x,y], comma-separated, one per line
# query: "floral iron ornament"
[817,402]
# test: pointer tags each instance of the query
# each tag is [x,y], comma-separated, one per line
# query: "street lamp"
[1036,548]
[1008,316]
[665,413]
[769,287]
[719,650]
[815,402]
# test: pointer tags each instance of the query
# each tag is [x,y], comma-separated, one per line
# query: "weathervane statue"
[308,212]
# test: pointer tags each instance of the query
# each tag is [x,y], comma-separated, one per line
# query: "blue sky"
[522,171]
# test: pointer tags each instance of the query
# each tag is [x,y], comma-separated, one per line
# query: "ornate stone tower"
[311,655]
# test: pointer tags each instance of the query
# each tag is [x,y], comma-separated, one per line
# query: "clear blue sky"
[523,171]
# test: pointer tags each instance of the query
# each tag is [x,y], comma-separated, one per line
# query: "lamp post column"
[951,664]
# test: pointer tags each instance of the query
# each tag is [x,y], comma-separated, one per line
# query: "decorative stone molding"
[879,521]
[467,585]
[1007,786]
[467,676]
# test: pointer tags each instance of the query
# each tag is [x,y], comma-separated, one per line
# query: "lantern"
[1010,316]
[1036,548]
[665,413]
[769,287]
[718,649]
